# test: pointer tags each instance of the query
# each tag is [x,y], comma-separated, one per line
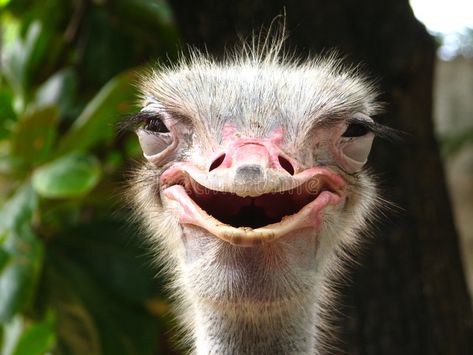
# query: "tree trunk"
[409,296]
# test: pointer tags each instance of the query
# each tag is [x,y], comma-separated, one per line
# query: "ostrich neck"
[259,300]
[256,329]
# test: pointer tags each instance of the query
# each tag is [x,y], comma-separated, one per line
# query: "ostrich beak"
[250,194]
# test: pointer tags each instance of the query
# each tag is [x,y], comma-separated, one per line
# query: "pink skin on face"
[309,190]
[241,151]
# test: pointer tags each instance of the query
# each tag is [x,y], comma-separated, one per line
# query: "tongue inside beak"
[250,211]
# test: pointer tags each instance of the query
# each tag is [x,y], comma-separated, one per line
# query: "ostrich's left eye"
[355,129]
[356,143]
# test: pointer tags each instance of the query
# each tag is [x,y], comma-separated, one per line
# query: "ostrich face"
[254,172]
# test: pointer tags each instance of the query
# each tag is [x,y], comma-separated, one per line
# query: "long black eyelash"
[146,119]
[381,131]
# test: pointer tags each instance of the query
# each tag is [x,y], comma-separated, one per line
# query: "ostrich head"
[253,186]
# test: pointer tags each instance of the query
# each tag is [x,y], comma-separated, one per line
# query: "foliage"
[454,142]
[74,278]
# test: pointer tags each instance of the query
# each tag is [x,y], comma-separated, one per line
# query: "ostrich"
[252,190]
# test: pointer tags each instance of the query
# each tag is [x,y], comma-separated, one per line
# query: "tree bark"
[409,296]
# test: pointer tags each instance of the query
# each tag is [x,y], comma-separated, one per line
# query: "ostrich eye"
[149,121]
[356,129]
[153,134]
[356,143]
[155,124]
[153,143]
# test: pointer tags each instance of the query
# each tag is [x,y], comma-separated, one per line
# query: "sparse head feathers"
[260,88]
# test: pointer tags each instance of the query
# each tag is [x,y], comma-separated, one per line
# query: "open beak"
[252,220]
[253,202]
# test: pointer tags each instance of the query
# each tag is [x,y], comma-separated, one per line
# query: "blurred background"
[452,26]
[74,276]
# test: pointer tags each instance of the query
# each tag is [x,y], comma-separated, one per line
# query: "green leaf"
[100,274]
[58,90]
[454,142]
[112,253]
[4,258]
[10,333]
[7,114]
[19,276]
[73,175]
[38,339]
[107,327]
[151,12]
[141,17]
[97,122]
[17,59]
[34,135]
[4,3]
[18,210]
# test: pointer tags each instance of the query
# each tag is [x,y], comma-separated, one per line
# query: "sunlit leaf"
[18,210]
[97,121]
[72,175]
[11,332]
[38,339]
[34,135]
[4,3]
[19,276]
[58,91]
[16,59]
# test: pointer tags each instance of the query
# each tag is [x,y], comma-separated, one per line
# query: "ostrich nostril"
[217,162]
[286,165]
